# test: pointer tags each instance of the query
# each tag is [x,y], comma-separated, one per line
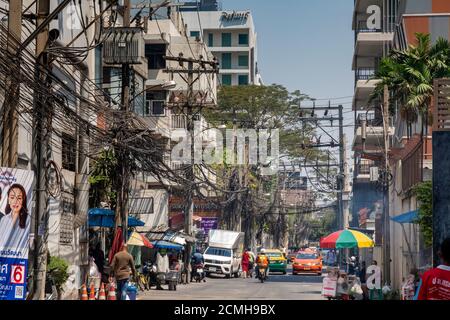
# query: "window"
[155,104]
[218,252]
[243,38]
[211,40]
[195,33]
[243,61]
[226,79]
[243,80]
[155,55]
[226,39]
[226,60]
[68,152]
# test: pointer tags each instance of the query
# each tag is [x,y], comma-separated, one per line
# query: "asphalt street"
[277,287]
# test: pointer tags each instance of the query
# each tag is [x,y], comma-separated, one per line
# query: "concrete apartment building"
[410,157]
[156,92]
[372,42]
[232,38]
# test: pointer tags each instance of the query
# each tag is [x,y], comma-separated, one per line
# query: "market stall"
[338,284]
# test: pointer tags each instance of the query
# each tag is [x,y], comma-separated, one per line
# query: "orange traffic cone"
[84,295]
[101,294]
[111,292]
[92,293]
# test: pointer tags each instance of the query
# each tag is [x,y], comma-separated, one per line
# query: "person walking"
[245,263]
[435,283]
[162,267]
[251,263]
[122,266]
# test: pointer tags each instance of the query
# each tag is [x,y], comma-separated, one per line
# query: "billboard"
[15,223]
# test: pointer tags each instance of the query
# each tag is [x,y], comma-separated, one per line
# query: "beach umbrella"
[346,239]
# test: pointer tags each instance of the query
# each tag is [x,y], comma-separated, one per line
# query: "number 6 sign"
[17,274]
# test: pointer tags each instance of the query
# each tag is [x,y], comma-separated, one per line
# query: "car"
[277,261]
[307,261]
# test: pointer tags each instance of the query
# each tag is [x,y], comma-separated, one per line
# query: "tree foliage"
[102,178]
[409,75]
[424,194]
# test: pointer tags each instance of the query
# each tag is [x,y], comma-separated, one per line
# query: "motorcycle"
[262,274]
[199,273]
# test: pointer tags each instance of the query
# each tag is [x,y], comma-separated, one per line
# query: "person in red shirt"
[435,283]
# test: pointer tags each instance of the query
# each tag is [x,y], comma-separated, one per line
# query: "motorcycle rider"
[197,259]
[262,262]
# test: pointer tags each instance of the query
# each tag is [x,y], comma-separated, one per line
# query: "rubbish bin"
[131,292]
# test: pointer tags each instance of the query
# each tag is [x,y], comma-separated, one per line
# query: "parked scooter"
[198,272]
[149,270]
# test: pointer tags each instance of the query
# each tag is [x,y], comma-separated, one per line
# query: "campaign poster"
[208,223]
[15,224]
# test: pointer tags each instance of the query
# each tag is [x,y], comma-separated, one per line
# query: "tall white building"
[232,39]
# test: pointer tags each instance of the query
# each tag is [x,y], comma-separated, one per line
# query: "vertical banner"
[15,223]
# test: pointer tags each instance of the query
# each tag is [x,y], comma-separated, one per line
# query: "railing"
[371,120]
[179,121]
[362,27]
[364,73]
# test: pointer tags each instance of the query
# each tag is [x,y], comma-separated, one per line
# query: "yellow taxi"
[277,260]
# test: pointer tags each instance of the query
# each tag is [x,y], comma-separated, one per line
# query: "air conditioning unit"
[124,45]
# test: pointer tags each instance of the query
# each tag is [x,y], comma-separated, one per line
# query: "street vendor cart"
[337,285]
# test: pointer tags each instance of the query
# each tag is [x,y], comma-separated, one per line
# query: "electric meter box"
[124,45]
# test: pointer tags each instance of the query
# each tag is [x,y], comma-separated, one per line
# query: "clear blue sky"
[305,45]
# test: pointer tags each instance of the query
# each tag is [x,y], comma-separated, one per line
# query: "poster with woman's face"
[15,225]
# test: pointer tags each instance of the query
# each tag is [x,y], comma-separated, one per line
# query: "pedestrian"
[362,273]
[99,257]
[251,263]
[435,283]
[162,267]
[245,262]
[122,266]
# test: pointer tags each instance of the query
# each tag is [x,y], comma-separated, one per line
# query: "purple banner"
[208,223]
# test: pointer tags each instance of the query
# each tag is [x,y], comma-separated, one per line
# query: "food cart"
[337,284]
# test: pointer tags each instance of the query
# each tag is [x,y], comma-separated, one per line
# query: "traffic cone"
[92,293]
[84,295]
[111,292]
[101,294]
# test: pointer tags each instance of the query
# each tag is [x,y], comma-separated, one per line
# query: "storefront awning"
[408,217]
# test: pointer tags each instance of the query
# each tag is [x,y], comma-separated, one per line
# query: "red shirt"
[435,284]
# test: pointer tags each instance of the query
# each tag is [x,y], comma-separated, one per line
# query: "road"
[277,287]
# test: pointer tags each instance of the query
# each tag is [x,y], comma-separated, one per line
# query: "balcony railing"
[371,120]
[362,27]
[179,122]
[363,168]
[364,73]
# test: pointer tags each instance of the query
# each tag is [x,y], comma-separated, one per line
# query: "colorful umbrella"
[137,239]
[346,239]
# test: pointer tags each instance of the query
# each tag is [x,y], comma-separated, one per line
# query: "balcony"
[364,86]
[374,143]
[362,169]
[370,42]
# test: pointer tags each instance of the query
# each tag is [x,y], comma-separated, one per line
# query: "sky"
[306,45]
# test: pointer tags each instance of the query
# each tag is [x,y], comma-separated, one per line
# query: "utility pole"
[122,203]
[189,105]
[341,168]
[10,119]
[386,236]
[40,135]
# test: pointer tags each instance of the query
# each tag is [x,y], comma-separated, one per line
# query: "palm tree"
[410,73]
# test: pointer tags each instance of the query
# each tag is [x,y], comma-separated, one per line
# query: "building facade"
[232,39]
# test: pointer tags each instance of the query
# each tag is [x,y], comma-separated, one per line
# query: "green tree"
[409,75]
[102,178]
[424,194]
